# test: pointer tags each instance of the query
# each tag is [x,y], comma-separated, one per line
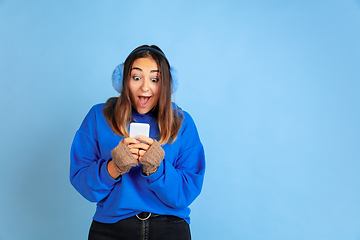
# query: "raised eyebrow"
[136,68]
[139,69]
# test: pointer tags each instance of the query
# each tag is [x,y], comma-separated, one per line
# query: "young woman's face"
[144,84]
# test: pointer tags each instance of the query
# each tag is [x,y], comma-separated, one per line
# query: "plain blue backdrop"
[273,86]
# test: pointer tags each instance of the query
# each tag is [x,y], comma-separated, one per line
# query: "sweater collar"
[136,114]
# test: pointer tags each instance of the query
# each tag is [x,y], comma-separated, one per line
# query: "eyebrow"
[136,68]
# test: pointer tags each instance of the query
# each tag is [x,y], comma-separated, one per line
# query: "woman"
[142,186]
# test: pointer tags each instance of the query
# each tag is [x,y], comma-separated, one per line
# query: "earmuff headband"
[150,49]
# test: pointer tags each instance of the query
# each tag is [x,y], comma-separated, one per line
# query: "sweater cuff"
[156,175]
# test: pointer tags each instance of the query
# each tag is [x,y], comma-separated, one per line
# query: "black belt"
[146,215]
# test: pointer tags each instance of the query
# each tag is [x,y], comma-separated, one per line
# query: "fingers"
[140,146]
[128,141]
[144,144]
[135,152]
[145,139]
[141,154]
[137,148]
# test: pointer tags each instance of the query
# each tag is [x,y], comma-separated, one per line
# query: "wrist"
[114,174]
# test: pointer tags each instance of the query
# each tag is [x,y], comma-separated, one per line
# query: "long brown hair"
[118,111]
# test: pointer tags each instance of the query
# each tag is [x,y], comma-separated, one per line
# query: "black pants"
[158,227]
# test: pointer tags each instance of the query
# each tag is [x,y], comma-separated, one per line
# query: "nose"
[145,85]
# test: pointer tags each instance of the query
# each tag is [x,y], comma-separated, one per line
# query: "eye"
[154,79]
[136,78]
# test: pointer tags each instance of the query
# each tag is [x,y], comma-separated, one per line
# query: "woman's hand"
[140,148]
[124,158]
[131,151]
[129,142]
[150,154]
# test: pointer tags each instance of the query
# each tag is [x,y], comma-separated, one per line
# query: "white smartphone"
[137,129]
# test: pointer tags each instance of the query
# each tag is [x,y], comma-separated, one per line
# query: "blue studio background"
[273,86]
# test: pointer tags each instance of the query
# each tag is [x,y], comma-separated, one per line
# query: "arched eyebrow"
[136,68]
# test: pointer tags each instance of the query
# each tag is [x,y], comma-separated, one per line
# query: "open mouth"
[144,100]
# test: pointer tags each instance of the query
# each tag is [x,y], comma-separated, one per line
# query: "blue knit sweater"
[168,191]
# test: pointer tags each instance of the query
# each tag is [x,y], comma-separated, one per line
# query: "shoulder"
[184,115]
[97,108]
[188,127]
[188,136]
[96,111]
[93,116]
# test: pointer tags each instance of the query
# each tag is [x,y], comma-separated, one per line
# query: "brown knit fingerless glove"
[123,159]
[152,158]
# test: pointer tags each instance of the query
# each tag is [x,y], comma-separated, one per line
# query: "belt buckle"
[143,219]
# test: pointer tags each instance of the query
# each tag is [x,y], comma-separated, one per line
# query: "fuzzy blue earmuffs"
[117,76]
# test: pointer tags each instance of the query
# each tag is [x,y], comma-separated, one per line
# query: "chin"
[143,110]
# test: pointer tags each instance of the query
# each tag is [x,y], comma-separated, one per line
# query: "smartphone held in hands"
[137,129]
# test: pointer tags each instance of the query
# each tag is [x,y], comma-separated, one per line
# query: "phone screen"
[137,129]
